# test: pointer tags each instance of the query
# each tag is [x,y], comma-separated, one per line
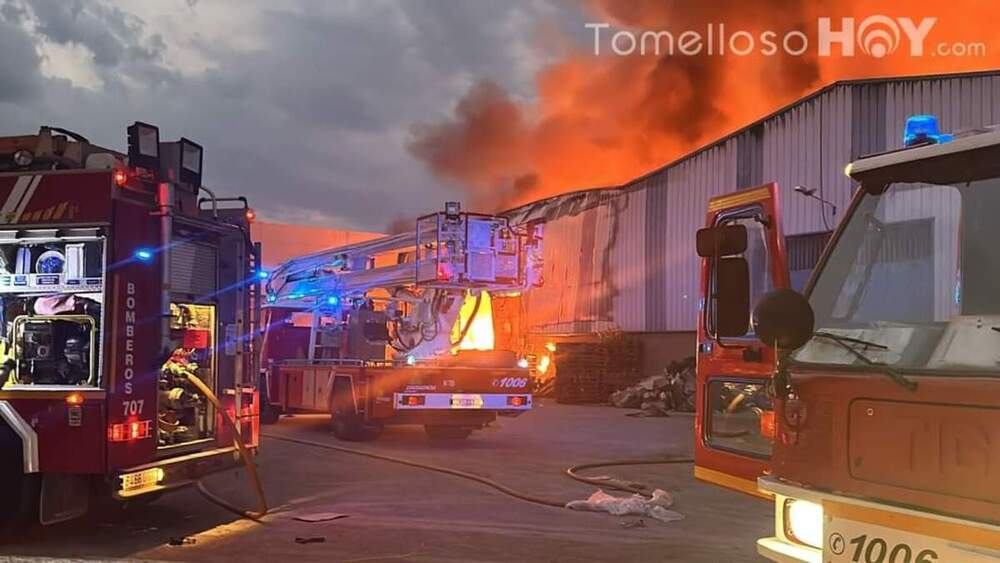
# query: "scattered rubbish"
[320,517]
[635,505]
[181,540]
[311,539]
[640,523]
[657,395]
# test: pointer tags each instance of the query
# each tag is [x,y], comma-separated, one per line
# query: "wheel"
[351,428]
[269,414]
[438,432]
[345,421]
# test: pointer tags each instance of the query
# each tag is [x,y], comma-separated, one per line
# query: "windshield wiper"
[840,338]
[845,343]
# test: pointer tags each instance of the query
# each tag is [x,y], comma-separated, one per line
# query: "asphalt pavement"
[401,513]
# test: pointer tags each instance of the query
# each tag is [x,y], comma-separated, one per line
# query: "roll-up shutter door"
[193,268]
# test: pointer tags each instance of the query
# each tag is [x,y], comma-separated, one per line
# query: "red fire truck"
[120,293]
[399,330]
[869,409]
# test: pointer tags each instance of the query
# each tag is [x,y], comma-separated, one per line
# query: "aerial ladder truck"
[398,330]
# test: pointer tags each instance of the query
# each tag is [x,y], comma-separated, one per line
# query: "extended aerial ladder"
[412,301]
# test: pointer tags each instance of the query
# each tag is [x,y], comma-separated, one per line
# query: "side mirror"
[722,240]
[784,318]
[732,297]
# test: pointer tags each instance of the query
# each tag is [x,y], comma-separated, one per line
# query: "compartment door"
[735,419]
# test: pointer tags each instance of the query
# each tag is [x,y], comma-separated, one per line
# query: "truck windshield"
[911,281]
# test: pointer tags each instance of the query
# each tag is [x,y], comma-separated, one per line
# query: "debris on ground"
[311,539]
[181,540]
[636,505]
[657,395]
[320,517]
[640,523]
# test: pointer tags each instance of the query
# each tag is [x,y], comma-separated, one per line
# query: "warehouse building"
[622,258]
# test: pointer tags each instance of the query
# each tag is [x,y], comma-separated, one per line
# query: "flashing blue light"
[144,255]
[263,274]
[272,298]
[921,129]
[333,301]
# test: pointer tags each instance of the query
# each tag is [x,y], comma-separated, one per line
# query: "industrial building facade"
[623,258]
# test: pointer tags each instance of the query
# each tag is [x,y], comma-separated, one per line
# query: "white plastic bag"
[636,505]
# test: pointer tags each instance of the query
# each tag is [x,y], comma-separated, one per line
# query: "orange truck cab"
[868,408]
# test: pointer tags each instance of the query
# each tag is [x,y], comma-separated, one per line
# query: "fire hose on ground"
[244,454]
[262,508]
[571,472]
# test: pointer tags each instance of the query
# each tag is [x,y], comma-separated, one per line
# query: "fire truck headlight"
[804,522]
[522,363]
[23,157]
[411,360]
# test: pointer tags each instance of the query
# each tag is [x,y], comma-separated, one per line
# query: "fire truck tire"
[352,428]
[439,432]
[345,421]
[269,414]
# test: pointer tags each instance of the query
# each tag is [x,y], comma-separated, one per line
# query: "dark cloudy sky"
[304,106]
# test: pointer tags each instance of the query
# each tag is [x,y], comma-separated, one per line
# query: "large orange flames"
[601,120]
[479,334]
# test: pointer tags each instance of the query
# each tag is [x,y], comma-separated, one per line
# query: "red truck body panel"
[936,448]
[75,438]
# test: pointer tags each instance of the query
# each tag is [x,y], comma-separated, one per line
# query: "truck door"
[743,257]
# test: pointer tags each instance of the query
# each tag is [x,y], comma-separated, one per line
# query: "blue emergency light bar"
[144,254]
[923,129]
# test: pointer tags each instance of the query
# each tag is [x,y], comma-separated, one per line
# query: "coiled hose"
[262,509]
[571,472]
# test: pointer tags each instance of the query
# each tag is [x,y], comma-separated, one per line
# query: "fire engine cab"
[127,314]
[399,330]
[867,409]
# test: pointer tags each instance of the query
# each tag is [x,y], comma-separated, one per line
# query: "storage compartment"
[185,414]
[51,299]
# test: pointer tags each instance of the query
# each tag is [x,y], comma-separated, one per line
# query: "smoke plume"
[601,120]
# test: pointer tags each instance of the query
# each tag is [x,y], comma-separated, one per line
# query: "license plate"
[466,401]
[141,480]
[850,541]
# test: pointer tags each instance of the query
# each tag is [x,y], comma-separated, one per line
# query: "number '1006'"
[877,551]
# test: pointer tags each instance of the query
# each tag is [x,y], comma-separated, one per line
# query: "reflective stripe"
[439,401]
[27,198]
[14,199]
[29,439]
[730,482]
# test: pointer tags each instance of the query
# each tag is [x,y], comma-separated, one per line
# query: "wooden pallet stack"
[588,372]
[624,362]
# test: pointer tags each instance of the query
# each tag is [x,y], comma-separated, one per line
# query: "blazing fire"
[477,322]
[603,119]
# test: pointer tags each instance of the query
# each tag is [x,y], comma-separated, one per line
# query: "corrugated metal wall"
[624,258]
